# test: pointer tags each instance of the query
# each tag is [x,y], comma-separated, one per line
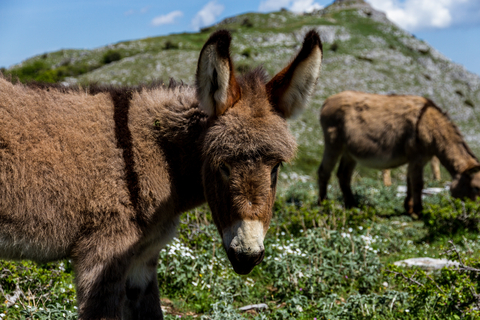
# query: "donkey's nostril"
[244,261]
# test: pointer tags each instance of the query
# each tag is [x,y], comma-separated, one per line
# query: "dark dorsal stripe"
[121,101]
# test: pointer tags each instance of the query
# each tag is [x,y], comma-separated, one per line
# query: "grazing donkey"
[101,175]
[384,132]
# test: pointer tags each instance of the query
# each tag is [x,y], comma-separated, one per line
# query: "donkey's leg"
[415,176]
[143,300]
[435,163]
[330,158]
[408,203]
[101,262]
[344,174]
[387,177]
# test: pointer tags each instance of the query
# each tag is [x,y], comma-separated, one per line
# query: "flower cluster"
[177,248]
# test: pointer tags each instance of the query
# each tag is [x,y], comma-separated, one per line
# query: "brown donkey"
[102,175]
[384,132]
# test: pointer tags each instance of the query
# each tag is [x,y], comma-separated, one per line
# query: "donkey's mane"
[250,78]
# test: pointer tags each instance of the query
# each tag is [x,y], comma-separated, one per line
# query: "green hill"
[363,51]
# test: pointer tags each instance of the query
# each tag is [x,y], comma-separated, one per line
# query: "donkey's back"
[376,130]
[62,168]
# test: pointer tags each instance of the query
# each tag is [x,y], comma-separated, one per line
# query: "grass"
[320,263]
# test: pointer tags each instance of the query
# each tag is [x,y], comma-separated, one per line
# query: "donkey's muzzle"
[244,262]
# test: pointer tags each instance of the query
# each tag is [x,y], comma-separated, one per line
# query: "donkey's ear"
[472,169]
[290,90]
[217,88]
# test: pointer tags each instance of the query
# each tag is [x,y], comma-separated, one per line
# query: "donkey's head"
[467,183]
[248,139]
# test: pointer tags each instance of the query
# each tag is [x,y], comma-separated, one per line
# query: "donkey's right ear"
[290,90]
[217,88]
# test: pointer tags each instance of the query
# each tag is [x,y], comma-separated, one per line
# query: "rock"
[426,263]
[328,34]
[402,190]
[260,306]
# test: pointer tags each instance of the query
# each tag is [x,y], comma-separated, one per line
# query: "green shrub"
[247,53]
[37,70]
[334,47]
[111,56]
[247,23]
[451,216]
[169,45]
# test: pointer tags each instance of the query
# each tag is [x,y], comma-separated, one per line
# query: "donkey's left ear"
[472,169]
[217,88]
[290,90]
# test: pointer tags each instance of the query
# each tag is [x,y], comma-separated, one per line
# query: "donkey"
[101,175]
[384,132]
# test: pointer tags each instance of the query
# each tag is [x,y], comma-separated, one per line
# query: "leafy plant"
[111,56]
[450,293]
[451,216]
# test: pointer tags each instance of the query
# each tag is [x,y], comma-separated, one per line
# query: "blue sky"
[32,27]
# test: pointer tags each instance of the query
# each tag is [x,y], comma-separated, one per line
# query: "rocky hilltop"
[363,51]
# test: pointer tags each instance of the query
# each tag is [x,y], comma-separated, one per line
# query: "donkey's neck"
[451,149]
[172,128]
[182,147]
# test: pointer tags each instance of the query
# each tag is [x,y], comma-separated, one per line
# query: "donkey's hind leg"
[143,300]
[435,163]
[330,158]
[344,174]
[387,177]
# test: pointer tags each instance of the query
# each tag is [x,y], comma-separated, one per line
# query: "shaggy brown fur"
[102,174]
[387,131]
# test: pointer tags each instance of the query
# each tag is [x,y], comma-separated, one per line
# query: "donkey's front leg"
[101,262]
[344,174]
[143,300]
[415,187]
[330,158]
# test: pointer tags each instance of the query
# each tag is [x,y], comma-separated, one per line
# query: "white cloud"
[304,6]
[292,5]
[167,18]
[207,15]
[415,15]
[273,5]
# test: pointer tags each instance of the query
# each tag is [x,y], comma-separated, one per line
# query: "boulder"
[426,263]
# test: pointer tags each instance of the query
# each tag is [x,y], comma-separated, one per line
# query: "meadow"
[320,263]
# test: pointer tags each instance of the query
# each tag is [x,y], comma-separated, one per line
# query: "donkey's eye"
[274,171]
[225,170]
